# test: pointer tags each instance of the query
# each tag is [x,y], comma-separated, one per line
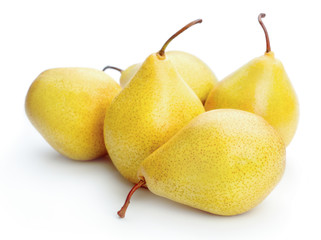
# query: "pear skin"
[147,113]
[224,162]
[68,105]
[198,76]
[261,87]
[128,74]
[153,106]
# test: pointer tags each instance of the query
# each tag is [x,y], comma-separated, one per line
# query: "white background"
[46,196]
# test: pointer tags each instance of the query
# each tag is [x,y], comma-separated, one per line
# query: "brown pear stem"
[268,47]
[162,51]
[121,213]
[115,68]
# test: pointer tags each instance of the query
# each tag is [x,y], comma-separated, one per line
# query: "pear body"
[128,74]
[198,76]
[68,105]
[261,87]
[149,110]
[224,162]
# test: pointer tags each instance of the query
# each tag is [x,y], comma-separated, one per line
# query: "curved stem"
[115,68]
[268,47]
[121,213]
[162,51]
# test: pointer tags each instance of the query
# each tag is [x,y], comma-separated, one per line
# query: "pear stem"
[115,68]
[121,213]
[268,47]
[162,51]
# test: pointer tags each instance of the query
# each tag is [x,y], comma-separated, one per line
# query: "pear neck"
[269,54]
[160,57]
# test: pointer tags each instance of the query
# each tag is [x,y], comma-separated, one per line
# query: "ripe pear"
[148,111]
[195,73]
[198,76]
[262,87]
[68,105]
[224,162]
[129,73]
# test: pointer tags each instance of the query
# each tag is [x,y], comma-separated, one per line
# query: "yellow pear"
[195,73]
[129,73]
[198,76]
[148,111]
[224,162]
[262,87]
[68,105]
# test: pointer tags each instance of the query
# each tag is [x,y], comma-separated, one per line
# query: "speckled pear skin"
[224,162]
[262,87]
[195,73]
[68,105]
[198,76]
[148,111]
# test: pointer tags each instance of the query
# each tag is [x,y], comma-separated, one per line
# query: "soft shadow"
[52,158]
